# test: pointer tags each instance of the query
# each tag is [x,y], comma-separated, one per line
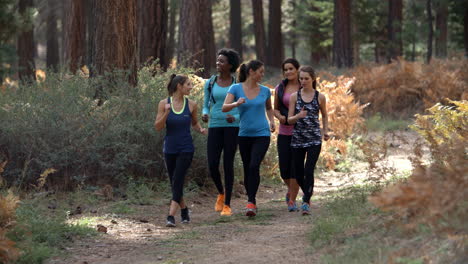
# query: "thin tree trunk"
[174,5]
[152,31]
[52,57]
[293,30]
[395,19]
[275,39]
[342,44]
[26,47]
[116,37]
[77,35]
[235,30]
[196,37]
[465,31]
[441,29]
[259,29]
[430,33]
[90,30]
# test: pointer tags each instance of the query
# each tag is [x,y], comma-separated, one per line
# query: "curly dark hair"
[232,56]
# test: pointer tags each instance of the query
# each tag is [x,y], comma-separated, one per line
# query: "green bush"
[58,124]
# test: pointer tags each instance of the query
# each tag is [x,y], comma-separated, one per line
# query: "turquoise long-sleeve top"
[217,117]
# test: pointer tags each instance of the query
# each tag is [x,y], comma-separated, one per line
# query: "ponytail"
[242,73]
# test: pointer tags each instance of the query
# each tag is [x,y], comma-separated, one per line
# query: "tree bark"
[235,30]
[52,57]
[342,44]
[196,37]
[465,31]
[275,39]
[259,29]
[441,29]
[90,30]
[430,32]
[76,35]
[116,37]
[172,25]
[152,31]
[26,47]
[395,20]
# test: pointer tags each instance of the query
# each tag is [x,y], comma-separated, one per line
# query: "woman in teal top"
[254,103]
[222,128]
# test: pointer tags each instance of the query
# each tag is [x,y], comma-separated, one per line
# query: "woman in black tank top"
[304,108]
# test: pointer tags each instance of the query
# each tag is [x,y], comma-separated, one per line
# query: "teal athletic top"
[253,119]
[217,117]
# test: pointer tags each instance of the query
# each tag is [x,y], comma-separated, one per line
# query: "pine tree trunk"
[395,20]
[342,44]
[275,39]
[441,29]
[172,25]
[90,30]
[430,32]
[465,31]
[152,31]
[196,36]
[259,28]
[235,30]
[52,57]
[26,47]
[76,34]
[116,37]
[293,30]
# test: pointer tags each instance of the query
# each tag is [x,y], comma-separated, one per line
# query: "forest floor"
[274,236]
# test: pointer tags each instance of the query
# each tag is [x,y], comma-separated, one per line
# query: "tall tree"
[259,28]
[52,57]
[275,39]
[342,44]
[196,37]
[152,30]
[90,30]
[173,7]
[116,37]
[395,19]
[26,45]
[465,29]
[76,34]
[430,31]
[235,29]
[441,29]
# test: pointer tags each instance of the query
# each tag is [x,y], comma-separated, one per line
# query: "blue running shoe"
[305,209]
[292,206]
[287,198]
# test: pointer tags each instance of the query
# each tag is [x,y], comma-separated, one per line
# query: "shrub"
[56,123]
[403,88]
[436,193]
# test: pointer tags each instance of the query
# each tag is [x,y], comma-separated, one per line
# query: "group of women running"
[240,113]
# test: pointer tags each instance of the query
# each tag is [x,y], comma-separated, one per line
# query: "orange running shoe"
[251,210]
[219,203]
[226,211]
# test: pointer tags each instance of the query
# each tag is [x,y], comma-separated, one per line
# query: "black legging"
[285,156]
[177,166]
[305,172]
[222,139]
[252,150]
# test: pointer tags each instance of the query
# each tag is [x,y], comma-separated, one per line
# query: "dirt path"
[273,236]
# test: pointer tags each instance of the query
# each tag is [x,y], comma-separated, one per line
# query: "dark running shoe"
[292,206]
[305,209]
[170,221]
[185,215]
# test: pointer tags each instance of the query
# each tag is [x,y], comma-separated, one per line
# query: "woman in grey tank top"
[304,108]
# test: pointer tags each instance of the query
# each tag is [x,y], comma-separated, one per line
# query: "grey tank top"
[306,131]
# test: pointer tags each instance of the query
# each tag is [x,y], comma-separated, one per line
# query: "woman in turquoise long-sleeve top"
[222,128]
